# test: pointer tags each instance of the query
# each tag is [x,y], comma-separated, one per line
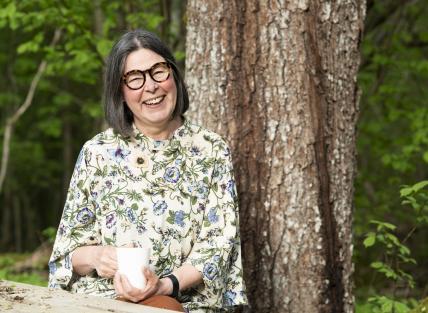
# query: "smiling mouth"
[154,101]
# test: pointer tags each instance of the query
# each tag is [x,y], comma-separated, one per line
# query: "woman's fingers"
[126,284]
[152,284]
[129,291]
[118,285]
[125,289]
[106,262]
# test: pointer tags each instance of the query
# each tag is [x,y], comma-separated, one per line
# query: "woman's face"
[153,104]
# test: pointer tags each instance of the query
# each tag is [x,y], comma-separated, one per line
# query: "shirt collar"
[179,134]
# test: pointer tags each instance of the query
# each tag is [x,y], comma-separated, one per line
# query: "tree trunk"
[278,80]
[7,220]
[17,217]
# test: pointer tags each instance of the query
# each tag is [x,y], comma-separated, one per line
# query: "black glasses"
[159,72]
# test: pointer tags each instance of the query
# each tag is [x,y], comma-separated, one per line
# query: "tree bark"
[278,80]
[17,221]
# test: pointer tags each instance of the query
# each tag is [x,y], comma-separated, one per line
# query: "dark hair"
[117,113]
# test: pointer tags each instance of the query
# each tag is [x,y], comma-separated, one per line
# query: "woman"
[152,179]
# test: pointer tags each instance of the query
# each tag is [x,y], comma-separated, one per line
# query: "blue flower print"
[194,150]
[231,187]
[52,267]
[110,220]
[159,207]
[121,201]
[158,143]
[67,260]
[229,297]
[201,207]
[79,159]
[141,229]
[179,217]
[210,271]
[61,230]
[212,216]
[118,154]
[227,152]
[131,215]
[172,174]
[199,191]
[85,216]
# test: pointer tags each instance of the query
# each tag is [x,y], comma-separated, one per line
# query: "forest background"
[390,250]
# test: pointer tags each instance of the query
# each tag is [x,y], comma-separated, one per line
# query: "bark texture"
[278,80]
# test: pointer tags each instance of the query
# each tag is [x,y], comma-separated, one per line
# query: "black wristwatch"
[175,285]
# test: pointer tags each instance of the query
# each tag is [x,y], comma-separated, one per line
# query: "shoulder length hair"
[117,113]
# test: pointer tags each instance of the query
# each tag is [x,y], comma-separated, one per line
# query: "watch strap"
[175,285]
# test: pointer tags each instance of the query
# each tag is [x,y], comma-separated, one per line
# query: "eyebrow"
[136,69]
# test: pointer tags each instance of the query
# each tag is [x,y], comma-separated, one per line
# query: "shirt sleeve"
[216,252]
[78,225]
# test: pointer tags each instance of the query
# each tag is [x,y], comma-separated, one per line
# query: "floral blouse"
[178,196]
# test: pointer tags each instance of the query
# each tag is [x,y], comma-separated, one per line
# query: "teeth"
[154,100]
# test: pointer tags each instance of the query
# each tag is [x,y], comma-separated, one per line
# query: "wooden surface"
[18,297]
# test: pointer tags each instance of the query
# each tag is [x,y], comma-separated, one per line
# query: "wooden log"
[23,298]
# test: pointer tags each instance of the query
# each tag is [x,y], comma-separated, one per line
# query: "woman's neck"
[162,132]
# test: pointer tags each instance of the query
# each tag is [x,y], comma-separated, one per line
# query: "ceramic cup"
[131,262]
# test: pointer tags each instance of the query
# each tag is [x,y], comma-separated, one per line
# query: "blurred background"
[52,54]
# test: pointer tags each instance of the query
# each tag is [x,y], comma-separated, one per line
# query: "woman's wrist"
[165,288]
[83,260]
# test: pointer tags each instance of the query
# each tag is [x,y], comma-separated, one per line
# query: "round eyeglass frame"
[143,74]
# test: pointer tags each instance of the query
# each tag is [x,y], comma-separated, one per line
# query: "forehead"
[141,59]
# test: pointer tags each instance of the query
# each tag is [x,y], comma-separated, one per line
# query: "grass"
[37,276]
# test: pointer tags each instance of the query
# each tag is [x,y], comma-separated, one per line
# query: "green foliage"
[417,197]
[27,278]
[50,234]
[392,142]
[395,254]
[382,304]
[6,270]
[422,307]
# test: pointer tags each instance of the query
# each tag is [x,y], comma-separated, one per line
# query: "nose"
[150,85]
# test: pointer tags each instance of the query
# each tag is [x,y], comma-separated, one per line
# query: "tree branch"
[10,122]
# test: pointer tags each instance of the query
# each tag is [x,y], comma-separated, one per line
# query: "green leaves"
[396,255]
[382,304]
[417,197]
[9,14]
[407,191]
[370,240]
[32,45]
[104,46]
[385,269]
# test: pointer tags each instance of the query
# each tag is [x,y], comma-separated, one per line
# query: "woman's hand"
[105,261]
[125,290]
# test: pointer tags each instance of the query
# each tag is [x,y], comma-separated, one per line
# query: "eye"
[160,72]
[134,77]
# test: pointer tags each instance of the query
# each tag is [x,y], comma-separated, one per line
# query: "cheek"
[129,95]
[170,87]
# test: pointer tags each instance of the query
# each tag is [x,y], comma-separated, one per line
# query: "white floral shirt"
[177,196]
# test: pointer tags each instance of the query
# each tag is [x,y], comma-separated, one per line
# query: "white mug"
[131,262]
